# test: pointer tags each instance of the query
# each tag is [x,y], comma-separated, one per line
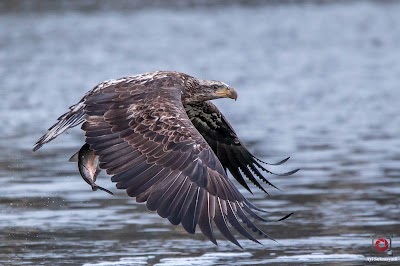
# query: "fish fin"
[98,170]
[74,158]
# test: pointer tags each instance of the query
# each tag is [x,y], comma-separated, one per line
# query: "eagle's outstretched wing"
[144,138]
[231,152]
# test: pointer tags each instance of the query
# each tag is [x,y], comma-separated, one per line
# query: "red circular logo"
[381,245]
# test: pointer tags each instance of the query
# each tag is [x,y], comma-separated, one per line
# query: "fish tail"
[95,187]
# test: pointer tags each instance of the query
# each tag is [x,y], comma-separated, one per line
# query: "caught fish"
[88,165]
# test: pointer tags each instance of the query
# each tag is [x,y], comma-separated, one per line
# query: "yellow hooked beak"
[227,92]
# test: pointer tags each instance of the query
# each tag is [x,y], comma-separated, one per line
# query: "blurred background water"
[317,80]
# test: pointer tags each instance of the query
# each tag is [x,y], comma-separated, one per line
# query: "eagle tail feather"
[68,120]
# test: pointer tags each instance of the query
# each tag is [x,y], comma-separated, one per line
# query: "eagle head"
[205,90]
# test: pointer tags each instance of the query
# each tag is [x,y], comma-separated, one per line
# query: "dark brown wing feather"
[231,152]
[144,138]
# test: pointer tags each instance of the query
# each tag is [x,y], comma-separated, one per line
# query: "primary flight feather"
[162,140]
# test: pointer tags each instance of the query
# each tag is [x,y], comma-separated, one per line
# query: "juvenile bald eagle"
[163,141]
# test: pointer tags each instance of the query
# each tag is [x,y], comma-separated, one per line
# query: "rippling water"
[317,82]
